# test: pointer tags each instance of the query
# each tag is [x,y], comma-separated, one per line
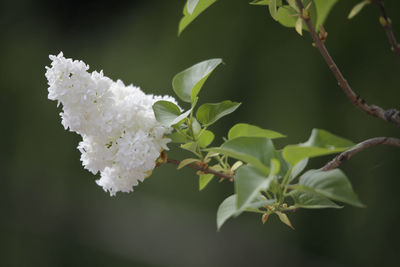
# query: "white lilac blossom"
[121,138]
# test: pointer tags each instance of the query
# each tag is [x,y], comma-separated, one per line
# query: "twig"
[346,155]
[391,115]
[202,169]
[387,26]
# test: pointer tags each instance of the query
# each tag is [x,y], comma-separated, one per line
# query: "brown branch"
[387,26]
[391,115]
[202,169]
[346,155]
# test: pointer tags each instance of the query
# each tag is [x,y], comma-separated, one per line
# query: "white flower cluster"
[121,137]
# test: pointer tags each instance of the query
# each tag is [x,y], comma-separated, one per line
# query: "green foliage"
[260,2]
[206,138]
[284,218]
[207,114]
[323,8]
[260,186]
[226,210]
[179,137]
[266,183]
[331,184]
[272,6]
[257,151]
[288,15]
[187,84]
[297,169]
[249,182]
[244,129]
[186,162]
[192,9]
[167,113]
[308,200]
[357,8]
[320,143]
[204,180]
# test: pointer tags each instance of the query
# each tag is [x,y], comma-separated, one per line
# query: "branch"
[387,26]
[341,158]
[391,115]
[202,169]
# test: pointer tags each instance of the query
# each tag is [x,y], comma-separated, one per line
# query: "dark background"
[53,213]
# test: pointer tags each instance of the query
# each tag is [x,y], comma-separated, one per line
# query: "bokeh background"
[53,214]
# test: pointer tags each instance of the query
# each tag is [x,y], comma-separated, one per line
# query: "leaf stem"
[346,155]
[283,185]
[387,26]
[391,115]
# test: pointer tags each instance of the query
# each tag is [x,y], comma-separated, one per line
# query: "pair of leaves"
[187,85]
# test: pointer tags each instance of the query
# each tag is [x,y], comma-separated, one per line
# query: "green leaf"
[260,2]
[186,162]
[167,113]
[226,210]
[287,15]
[307,200]
[357,8]
[205,138]
[178,137]
[331,184]
[191,5]
[244,129]
[187,84]
[249,181]
[204,179]
[323,8]
[284,165]
[259,202]
[257,151]
[299,26]
[207,114]
[298,168]
[191,146]
[284,218]
[273,8]
[320,143]
[196,127]
[191,10]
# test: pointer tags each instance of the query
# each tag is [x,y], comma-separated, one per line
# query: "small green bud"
[383,21]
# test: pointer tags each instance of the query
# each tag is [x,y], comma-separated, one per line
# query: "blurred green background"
[53,213]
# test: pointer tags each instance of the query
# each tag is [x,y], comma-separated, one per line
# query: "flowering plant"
[125,132]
